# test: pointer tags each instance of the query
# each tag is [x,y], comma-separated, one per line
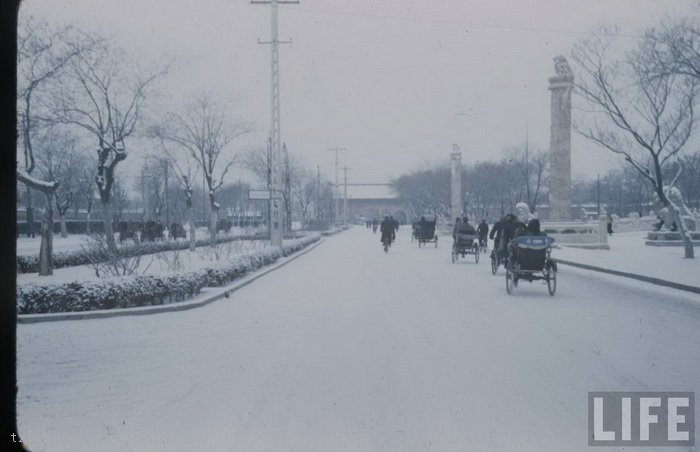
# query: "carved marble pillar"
[456,199]
[561,86]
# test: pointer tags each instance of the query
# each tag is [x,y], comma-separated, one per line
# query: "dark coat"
[509,229]
[464,228]
[387,226]
[497,230]
[482,229]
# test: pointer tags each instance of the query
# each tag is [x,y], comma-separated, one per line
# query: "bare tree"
[646,118]
[86,192]
[304,191]
[426,191]
[104,97]
[59,160]
[43,53]
[674,48]
[186,172]
[120,199]
[531,164]
[204,132]
[256,159]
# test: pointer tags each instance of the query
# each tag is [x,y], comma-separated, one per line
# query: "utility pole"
[318,193]
[345,195]
[167,205]
[527,168]
[204,199]
[269,187]
[598,190]
[144,192]
[287,189]
[336,194]
[275,134]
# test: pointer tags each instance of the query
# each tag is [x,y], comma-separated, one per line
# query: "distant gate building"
[370,201]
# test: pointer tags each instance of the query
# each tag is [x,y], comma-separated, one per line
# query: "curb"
[180,306]
[332,233]
[648,279]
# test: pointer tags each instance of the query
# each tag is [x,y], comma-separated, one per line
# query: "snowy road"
[351,349]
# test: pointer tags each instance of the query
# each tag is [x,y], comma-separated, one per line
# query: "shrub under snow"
[61,259]
[131,291]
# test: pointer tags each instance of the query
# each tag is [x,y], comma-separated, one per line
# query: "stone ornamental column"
[456,185]
[561,86]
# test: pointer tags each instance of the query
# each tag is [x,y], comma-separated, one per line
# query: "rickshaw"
[529,258]
[425,232]
[465,244]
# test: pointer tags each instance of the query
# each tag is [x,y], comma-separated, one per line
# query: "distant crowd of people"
[502,232]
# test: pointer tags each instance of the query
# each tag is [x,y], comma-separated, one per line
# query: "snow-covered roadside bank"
[206,296]
[629,254]
[148,290]
[88,252]
[333,231]
[175,260]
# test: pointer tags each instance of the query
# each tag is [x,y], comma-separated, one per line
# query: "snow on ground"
[628,253]
[167,261]
[348,348]
[27,246]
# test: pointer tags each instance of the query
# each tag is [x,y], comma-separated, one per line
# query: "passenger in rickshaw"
[467,228]
[463,228]
[532,229]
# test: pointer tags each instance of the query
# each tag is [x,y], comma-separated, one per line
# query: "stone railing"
[592,234]
[630,224]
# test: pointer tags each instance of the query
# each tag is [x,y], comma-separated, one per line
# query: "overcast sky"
[395,82]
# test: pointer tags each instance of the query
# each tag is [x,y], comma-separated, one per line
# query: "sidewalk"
[629,254]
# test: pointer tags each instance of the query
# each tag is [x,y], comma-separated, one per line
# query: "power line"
[461,23]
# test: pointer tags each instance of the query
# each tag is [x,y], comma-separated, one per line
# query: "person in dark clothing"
[387,229]
[496,233]
[482,231]
[462,229]
[458,222]
[394,227]
[510,226]
[466,227]
[532,228]
[610,225]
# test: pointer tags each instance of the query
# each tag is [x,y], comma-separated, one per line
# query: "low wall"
[634,224]
[592,234]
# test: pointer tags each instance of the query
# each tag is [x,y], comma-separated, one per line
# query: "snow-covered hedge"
[61,259]
[335,230]
[131,291]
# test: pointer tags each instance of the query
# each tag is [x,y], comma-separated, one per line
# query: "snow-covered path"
[349,348]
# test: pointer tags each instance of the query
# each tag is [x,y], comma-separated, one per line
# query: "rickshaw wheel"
[509,281]
[476,250]
[551,281]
